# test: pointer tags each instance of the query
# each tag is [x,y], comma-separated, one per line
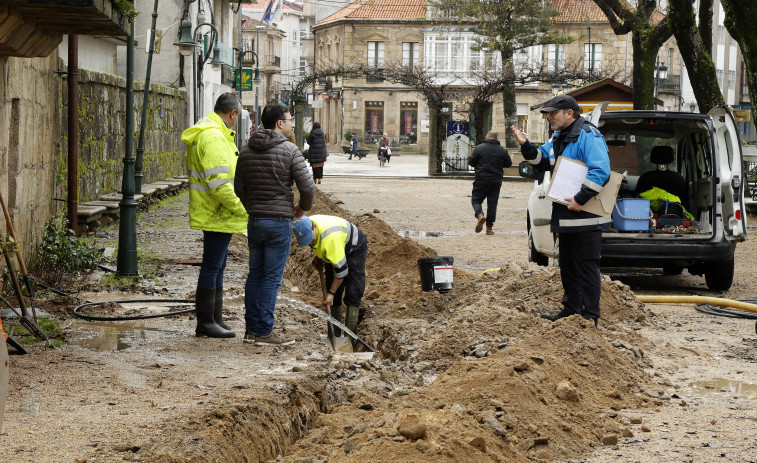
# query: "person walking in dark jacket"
[318,151]
[355,151]
[266,169]
[488,158]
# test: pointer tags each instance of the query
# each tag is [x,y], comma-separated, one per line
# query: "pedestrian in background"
[268,167]
[211,160]
[318,151]
[488,158]
[355,151]
[343,248]
[579,232]
[383,146]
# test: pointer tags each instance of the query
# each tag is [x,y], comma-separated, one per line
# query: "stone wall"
[34,139]
[28,133]
[102,133]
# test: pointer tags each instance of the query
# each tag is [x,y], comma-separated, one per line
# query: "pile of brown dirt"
[473,374]
[554,394]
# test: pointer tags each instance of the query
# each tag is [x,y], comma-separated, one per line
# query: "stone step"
[118,197]
[110,205]
[90,213]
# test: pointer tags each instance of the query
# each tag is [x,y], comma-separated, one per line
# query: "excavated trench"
[469,375]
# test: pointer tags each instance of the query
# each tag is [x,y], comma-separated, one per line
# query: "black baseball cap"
[562,102]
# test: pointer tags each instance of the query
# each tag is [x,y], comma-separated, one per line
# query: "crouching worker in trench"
[342,246]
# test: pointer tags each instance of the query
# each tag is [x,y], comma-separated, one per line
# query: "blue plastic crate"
[631,214]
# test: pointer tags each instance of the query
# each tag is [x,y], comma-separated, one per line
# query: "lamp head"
[662,71]
[186,44]
[216,61]
[256,75]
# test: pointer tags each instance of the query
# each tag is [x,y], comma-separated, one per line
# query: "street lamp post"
[255,78]
[188,45]
[257,87]
[661,73]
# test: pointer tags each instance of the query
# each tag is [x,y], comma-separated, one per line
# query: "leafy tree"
[740,16]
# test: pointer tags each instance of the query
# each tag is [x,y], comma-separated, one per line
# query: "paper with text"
[567,181]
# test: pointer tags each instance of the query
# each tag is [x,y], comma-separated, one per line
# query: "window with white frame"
[555,57]
[457,54]
[593,57]
[376,54]
[527,60]
[410,54]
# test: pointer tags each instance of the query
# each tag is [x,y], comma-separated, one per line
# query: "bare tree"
[647,36]
[695,44]
[740,16]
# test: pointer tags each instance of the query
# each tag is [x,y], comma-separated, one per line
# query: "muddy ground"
[469,375]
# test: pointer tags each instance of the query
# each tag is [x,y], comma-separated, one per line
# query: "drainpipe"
[127,227]
[141,146]
[73,133]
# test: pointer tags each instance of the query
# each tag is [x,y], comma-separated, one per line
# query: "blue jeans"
[269,240]
[215,249]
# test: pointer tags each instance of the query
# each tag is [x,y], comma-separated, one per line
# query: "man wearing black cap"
[579,232]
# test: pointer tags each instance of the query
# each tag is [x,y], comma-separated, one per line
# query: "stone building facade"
[380,33]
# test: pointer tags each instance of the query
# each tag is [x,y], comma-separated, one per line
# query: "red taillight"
[738,214]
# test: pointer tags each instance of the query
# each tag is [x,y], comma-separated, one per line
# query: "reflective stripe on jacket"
[581,141]
[335,238]
[211,160]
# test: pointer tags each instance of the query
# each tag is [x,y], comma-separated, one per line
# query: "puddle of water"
[419,234]
[114,336]
[725,387]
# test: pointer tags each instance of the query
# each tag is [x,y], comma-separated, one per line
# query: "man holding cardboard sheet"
[579,231]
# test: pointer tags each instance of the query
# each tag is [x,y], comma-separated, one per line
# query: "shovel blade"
[343,344]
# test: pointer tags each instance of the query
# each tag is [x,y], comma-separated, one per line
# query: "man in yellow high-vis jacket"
[342,246]
[214,208]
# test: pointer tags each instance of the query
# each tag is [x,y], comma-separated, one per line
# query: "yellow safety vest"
[332,237]
[211,163]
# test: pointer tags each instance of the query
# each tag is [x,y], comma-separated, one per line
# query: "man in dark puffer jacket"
[266,169]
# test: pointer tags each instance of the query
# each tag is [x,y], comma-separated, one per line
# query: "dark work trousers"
[215,249]
[489,190]
[353,286]
[579,271]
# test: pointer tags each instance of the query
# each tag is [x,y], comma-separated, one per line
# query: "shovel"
[338,343]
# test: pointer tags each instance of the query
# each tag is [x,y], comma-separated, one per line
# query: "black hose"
[135,317]
[134,301]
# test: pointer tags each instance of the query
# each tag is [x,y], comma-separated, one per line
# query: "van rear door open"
[729,173]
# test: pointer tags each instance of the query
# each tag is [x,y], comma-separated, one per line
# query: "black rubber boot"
[336,312]
[352,318]
[218,312]
[205,303]
[561,314]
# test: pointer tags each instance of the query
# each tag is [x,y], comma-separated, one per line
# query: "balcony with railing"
[671,85]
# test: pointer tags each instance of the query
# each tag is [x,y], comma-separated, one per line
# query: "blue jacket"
[583,142]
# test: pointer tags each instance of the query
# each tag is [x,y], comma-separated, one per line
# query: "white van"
[698,158]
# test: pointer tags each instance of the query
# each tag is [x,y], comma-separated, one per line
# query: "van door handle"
[542,196]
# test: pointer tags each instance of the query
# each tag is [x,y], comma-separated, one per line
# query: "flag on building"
[273,12]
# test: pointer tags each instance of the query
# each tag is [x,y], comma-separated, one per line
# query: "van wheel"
[533,254]
[719,275]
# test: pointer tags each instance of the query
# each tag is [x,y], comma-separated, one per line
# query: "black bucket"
[436,273]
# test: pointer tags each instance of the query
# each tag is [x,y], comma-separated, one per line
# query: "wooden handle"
[12,233]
